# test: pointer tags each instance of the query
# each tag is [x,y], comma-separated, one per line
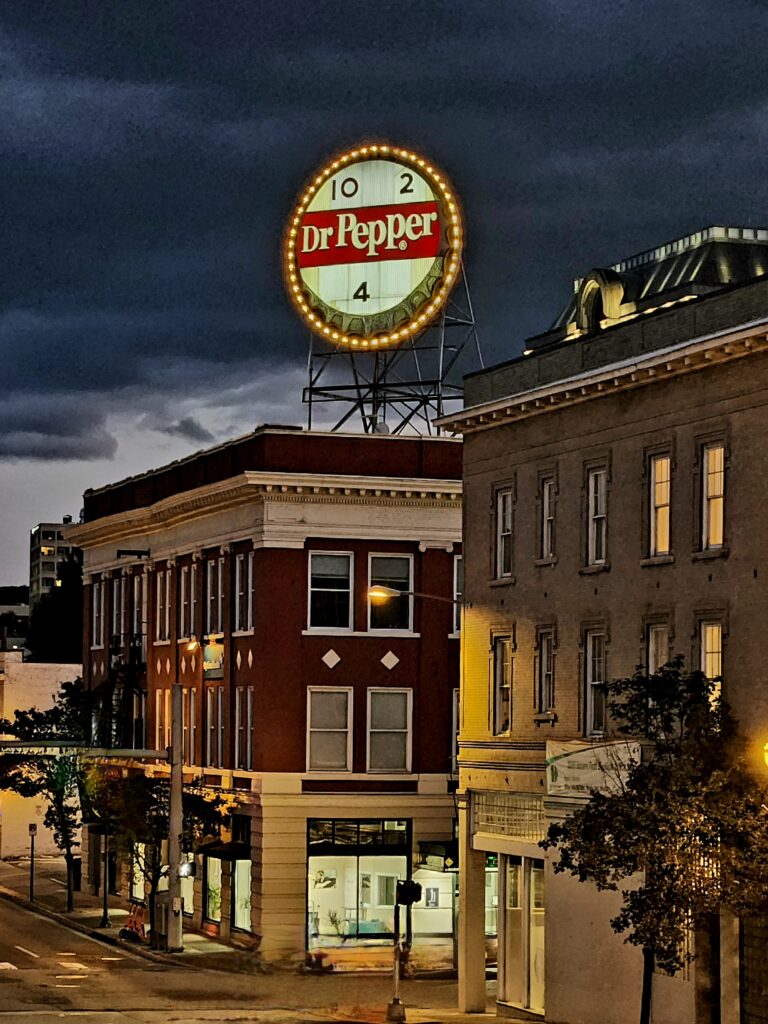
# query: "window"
[389,726]
[139,714]
[162,718]
[244,591]
[139,621]
[458,591]
[455,727]
[385,890]
[244,728]
[214,578]
[162,604]
[214,713]
[503,533]
[329,733]
[188,724]
[594,654]
[547,525]
[545,669]
[97,615]
[597,519]
[656,647]
[395,572]
[660,495]
[711,652]
[502,684]
[118,607]
[330,587]
[713,496]
[186,627]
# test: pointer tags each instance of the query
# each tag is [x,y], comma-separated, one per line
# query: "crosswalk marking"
[74,963]
[28,952]
[69,977]
[67,986]
[5,966]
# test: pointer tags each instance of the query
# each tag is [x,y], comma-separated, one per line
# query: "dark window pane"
[345,833]
[329,609]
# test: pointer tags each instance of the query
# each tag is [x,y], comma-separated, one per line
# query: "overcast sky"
[151,152]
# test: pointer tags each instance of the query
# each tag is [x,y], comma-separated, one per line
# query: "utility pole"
[175,826]
[32,834]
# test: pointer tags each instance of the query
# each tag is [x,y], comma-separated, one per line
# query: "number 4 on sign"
[362,292]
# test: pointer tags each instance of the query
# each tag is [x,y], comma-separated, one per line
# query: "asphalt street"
[49,973]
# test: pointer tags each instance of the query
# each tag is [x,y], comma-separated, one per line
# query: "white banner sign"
[576,768]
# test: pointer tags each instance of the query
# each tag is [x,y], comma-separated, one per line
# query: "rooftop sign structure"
[373,248]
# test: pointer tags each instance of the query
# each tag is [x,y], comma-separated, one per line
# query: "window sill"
[455,636]
[160,643]
[592,570]
[545,718]
[358,633]
[243,632]
[97,647]
[393,632]
[710,554]
[324,773]
[647,563]
[544,562]
[501,581]
[213,636]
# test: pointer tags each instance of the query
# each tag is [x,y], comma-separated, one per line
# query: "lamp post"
[175,936]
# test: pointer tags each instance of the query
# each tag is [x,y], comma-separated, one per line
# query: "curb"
[94,933]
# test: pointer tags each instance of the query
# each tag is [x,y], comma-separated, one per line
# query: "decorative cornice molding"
[623,375]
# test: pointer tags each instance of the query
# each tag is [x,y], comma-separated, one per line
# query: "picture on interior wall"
[324,879]
[365,888]
[432,897]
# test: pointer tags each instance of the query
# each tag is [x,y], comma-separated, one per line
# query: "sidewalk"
[341,997]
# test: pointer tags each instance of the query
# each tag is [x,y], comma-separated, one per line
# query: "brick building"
[614,487]
[241,573]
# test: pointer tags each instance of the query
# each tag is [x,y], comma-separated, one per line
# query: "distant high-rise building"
[47,550]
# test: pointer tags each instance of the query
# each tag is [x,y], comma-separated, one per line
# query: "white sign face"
[373,247]
[576,768]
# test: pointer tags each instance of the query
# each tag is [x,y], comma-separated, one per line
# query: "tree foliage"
[56,779]
[686,834]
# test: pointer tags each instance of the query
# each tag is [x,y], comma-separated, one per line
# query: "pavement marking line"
[74,963]
[28,952]
[67,986]
[68,977]
[5,966]
[113,958]
[66,954]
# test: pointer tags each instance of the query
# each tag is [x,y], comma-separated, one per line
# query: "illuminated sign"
[373,247]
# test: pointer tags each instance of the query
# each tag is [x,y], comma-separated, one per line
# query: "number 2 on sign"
[362,292]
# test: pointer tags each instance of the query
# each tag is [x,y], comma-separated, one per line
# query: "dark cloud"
[151,151]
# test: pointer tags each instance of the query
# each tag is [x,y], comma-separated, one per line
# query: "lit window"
[394,572]
[597,516]
[389,723]
[503,533]
[660,495]
[329,734]
[711,652]
[502,684]
[595,678]
[713,493]
[656,647]
[330,586]
[547,525]
[545,670]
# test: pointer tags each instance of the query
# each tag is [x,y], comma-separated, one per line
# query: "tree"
[56,621]
[56,778]
[136,809]
[685,834]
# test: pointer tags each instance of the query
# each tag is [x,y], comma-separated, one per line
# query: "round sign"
[373,247]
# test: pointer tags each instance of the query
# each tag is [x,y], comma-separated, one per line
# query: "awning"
[231,850]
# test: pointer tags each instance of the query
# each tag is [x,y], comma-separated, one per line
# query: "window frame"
[243,618]
[599,471]
[331,630]
[591,684]
[350,702]
[547,551]
[458,593]
[97,615]
[214,725]
[655,507]
[504,495]
[244,728]
[214,596]
[386,630]
[163,605]
[544,688]
[408,691]
[705,530]
[497,640]
[650,629]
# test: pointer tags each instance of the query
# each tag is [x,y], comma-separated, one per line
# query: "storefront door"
[521,933]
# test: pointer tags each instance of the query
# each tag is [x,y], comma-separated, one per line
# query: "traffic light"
[407,893]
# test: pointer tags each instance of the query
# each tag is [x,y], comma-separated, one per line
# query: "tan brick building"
[615,482]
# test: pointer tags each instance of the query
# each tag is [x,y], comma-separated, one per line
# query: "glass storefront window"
[352,897]
[212,902]
[241,881]
[188,887]
[137,874]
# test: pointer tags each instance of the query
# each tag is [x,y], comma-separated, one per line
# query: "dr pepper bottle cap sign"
[373,247]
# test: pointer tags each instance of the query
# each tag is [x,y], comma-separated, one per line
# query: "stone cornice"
[660,364]
[272,487]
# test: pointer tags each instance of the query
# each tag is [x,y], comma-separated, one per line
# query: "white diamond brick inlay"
[159,666]
[183,663]
[239,659]
[194,663]
[389,660]
[167,666]
[331,658]
[250,658]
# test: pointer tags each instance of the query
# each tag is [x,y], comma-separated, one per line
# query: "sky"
[151,152]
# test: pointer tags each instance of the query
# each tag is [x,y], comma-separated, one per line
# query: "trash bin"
[162,910]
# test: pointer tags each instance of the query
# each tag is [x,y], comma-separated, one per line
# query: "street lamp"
[380,594]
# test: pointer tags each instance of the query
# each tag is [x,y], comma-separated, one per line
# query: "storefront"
[521,935]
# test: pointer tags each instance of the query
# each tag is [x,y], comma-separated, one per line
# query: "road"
[49,973]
